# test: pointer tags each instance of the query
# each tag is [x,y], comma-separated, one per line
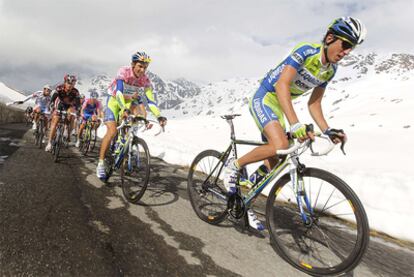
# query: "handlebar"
[298,145]
[66,113]
[131,118]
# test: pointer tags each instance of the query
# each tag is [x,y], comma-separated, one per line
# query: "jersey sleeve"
[120,93]
[121,74]
[299,54]
[152,105]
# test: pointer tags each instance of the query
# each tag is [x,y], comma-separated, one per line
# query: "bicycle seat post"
[232,134]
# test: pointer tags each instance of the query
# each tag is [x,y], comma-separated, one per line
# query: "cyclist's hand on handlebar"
[302,131]
[126,113]
[162,120]
[337,136]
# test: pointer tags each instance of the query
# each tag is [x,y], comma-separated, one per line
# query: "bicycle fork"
[131,153]
[300,192]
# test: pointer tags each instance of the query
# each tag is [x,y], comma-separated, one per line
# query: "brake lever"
[342,147]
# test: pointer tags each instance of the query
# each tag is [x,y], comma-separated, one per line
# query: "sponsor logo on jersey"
[275,73]
[130,90]
[310,51]
[297,58]
[306,76]
[258,108]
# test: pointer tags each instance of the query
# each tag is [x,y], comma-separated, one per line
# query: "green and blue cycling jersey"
[306,59]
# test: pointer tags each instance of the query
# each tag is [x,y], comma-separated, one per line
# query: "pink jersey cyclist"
[127,90]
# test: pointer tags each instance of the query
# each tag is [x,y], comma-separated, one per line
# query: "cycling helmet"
[47,87]
[71,79]
[349,29]
[140,57]
[94,95]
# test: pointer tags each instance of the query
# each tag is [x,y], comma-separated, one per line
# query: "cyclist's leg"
[269,119]
[36,111]
[54,121]
[85,118]
[71,125]
[111,117]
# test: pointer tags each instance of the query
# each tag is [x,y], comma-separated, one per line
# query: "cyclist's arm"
[29,97]
[315,108]
[151,102]
[283,93]
[53,99]
[120,93]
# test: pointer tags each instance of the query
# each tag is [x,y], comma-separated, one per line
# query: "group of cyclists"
[308,66]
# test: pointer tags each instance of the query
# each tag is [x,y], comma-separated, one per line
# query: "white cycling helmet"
[349,29]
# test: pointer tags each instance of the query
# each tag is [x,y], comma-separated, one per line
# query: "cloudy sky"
[203,41]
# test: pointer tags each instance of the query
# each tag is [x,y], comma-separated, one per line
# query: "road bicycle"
[88,137]
[40,131]
[315,221]
[130,155]
[61,138]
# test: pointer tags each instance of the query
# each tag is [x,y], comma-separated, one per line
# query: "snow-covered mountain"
[232,95]
[9,95]
[169,94]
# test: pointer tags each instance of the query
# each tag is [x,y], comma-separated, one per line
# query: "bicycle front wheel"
[205,187]
[86,140]
[135,171]
[57,144]
[331,233]
[40,134]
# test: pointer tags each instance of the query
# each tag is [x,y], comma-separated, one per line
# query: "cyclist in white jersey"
[42,101]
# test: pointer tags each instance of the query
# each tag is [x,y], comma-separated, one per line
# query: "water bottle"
[258,175]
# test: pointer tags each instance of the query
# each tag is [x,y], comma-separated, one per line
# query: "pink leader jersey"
[131,84]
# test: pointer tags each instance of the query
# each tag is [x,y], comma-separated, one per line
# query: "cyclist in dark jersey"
[65,98]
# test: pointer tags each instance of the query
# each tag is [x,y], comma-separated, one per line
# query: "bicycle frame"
[289,159]
[132,130]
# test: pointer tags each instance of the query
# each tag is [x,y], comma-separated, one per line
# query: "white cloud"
[199,40]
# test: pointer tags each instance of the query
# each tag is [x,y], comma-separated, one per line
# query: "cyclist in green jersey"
[309,66]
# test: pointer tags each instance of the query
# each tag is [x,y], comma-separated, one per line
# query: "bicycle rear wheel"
[135,171]
[336,235]
[205,187]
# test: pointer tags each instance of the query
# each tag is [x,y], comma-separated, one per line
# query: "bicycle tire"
[40,134]
[139,167]
[94,139]
[281,216]
[86,140]
[58,144]
[198,194]
[36,135]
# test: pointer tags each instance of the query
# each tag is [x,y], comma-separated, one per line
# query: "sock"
[236,164]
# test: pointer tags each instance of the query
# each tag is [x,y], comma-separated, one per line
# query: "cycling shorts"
[112,108]
[264,107]
[42,108]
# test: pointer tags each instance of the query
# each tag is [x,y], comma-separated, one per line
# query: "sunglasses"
[347,45]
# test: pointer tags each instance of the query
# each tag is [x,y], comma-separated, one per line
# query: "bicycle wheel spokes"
[334,239]
[205,187]
[135,171]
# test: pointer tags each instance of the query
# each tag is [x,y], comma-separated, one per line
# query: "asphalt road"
[58,219]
